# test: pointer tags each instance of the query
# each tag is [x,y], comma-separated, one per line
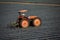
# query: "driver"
[21,12]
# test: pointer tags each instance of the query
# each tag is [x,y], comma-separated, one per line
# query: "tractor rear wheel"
[37,22]
[24,23]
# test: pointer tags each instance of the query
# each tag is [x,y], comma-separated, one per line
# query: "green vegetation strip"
[30,3]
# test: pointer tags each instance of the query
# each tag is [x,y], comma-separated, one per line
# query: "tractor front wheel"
[37,22]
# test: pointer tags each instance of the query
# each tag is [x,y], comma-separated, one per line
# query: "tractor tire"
[36,22]
[24,23]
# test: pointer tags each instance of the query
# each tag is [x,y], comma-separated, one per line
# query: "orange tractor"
[24,21]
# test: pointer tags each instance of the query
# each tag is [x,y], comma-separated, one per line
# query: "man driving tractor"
[21,12]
